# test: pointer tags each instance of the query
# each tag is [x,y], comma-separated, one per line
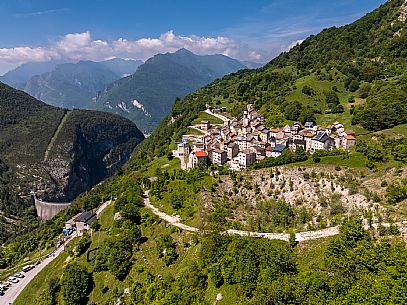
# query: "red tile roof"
[349,137]
[350,132]
[201,154]
[275,130]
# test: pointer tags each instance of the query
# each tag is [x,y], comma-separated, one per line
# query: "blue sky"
[254,30]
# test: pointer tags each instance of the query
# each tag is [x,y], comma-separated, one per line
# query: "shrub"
[83,245]
[76,283]
[396,192]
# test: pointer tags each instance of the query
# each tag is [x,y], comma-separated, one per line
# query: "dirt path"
[56,134]
[219,116]
[174,220]
[301,236]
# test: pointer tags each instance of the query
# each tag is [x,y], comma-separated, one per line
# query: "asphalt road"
[14,290]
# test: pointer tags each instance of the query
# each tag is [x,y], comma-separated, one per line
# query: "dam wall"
[47,210]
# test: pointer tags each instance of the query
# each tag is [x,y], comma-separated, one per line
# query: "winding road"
[301,236]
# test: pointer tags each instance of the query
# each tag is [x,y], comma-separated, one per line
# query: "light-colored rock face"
[403,12]
[319,190]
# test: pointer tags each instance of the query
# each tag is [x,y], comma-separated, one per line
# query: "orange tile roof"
[201,154]
[263,143]
[275,130]
[349,132]
[349,137]
[309,135]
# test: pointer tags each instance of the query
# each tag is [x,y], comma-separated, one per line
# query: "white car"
[13,280]
[28,268]
[19,275]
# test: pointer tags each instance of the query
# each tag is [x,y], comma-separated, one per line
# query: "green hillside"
[320,77]
[147,96]
[141,259]
[89,147]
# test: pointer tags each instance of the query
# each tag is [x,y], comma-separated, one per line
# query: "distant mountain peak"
[150,92]
[184,51]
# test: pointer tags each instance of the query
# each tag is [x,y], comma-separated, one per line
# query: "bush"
[76,284]
[83,245]
[95,225]
[316,159]
[396,192]
[307,90]
[119,252]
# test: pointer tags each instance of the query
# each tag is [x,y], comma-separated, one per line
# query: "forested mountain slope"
[58,153]
[338,74]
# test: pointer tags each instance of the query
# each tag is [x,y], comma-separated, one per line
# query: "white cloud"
[25,54]
[81,46]
[294,43]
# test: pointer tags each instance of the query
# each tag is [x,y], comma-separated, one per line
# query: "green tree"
[396,192]
[83,244]
[95,225]
[131,212]
[293,111]
[307,115]
[400,152]
[384,108]
[331,97]
[119,254]
[307,90]
[364,90]
[76,283]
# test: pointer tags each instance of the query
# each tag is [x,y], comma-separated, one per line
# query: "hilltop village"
[240,143]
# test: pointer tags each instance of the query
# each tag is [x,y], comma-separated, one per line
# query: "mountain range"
[141,92]
[19,76]
[73,85]
[146,96]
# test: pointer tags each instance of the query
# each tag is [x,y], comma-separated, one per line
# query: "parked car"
[19,275]
[1,293]
[13,280]
[28,268]
[3,287]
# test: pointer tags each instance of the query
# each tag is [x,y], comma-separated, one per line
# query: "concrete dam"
[47,210]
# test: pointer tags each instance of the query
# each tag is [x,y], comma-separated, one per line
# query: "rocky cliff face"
[59,153]
[87,152]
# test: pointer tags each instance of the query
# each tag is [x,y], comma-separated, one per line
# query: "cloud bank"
[81,46]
